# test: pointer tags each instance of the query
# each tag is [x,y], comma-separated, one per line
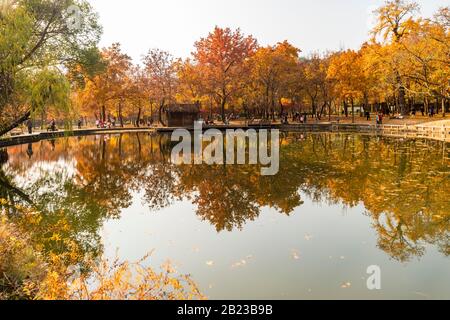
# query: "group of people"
[379,118]
[110,123]
[431,111]
[208,122]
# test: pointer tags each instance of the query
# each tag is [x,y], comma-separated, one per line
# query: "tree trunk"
[267,104]
[281,107]
[320,114]
[103,113]
[222,106]
[138,120]
[366,104]
[210,108]
[160,114]
[443,107]
[353,110]
[42,120]
[329,111]
[151,111]
[403,108]
[11,126]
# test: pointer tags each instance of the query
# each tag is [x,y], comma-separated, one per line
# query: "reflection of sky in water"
[67,168]
[320,252]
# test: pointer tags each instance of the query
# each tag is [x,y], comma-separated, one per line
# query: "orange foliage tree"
[108,87]
[222,57]
[160,67]
[273,70]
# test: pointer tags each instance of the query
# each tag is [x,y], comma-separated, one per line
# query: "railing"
[435,132]
[441,133]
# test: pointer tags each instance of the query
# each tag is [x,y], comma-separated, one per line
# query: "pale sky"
[174,25]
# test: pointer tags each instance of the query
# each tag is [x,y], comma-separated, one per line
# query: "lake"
[339,204]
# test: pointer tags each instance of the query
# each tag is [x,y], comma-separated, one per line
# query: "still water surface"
[339,204]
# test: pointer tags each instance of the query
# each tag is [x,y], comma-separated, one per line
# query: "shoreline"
[421,131]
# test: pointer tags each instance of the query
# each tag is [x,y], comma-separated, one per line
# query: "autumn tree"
[346,70]
[273,69]
[315,82]
[395,19]
[373,85]
[161,72]
[108,87]
[36,39]
[191,86]
[222,55]
[426,52]
[137,93]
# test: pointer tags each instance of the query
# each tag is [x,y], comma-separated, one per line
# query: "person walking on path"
[52,127]
[30,126]
[379,119]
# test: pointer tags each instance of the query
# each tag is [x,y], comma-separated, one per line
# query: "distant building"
[182,115]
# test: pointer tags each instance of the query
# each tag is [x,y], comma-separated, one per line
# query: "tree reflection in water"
[403,184]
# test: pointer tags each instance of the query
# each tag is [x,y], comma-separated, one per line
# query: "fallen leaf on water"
[239,264]
[295,255]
